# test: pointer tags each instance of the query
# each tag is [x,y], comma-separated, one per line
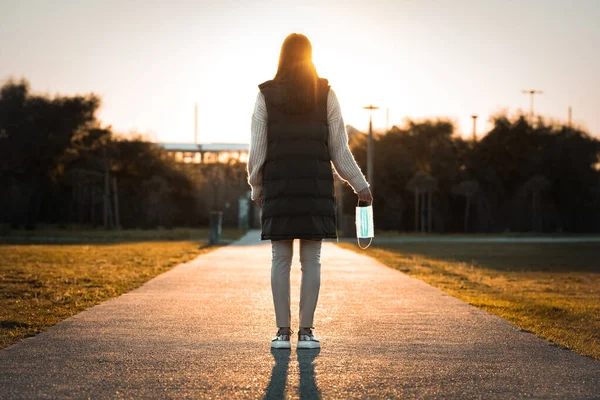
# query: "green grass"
[42,284]
[550,289]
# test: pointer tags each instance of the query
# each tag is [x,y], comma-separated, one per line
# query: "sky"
[150,61]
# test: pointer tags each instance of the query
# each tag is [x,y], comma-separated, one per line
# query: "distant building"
[207,153]
[212,153]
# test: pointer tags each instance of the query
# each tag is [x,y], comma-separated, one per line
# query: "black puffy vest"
[298,190]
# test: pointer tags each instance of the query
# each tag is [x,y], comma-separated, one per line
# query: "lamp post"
[370,107]
[387,120]
[196,123]
[474,127]
[531,93]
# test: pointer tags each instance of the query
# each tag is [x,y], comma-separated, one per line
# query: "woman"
[297,132]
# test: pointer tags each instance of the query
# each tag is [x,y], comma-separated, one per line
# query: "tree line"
[60,166]
[521,176]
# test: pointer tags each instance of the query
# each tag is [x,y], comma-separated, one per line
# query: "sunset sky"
[151,60]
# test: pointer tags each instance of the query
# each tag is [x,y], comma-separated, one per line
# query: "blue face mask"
[364,224]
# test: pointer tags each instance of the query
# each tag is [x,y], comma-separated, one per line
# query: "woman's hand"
[365,195]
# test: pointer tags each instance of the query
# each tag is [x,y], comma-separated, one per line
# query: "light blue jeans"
[310,261]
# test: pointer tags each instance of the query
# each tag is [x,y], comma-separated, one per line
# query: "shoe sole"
[305,344]
[281,345]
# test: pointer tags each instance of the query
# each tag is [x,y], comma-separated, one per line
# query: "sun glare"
[360,81]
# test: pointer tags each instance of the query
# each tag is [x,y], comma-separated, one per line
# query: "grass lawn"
[550,289]
[42,284]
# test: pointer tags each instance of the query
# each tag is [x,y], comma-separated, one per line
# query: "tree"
[58,161]
[37,131]
[468,189]
[422,185]
[513,151]
[533,188]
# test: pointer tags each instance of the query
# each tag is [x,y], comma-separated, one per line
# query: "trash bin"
[216,227]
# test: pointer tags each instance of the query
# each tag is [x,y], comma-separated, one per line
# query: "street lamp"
[531,93]
[371,108]
[474,127]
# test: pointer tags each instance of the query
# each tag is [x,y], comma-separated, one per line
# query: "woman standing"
[297,132]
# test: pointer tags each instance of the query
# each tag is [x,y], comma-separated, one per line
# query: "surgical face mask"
[364,224]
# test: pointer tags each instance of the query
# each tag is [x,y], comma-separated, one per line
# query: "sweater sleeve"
[258,147]
[343,161]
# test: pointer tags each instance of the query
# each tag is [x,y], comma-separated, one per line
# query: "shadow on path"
[276,388]
[308,385]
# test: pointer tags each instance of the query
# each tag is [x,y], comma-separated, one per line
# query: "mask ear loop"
[363,248]
[358,239]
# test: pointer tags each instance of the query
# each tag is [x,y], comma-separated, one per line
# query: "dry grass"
[552,290]
[42,284]
[75,234]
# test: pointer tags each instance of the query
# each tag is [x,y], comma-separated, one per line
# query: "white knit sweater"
[343,160]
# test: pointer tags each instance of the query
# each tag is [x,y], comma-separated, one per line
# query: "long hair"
[298,73]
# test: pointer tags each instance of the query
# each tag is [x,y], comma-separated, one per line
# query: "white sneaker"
[307,340]
[282,339]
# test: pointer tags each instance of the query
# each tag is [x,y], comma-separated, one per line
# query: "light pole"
[474,127]
[387,120]
[196,123]
[531,93]
[370,107]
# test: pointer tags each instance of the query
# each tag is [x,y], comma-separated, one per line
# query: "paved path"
[202,330]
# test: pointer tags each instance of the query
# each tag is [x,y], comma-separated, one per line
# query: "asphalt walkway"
[203,330]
